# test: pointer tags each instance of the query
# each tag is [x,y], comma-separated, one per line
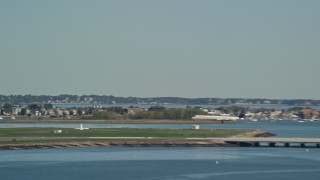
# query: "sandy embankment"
[116,143]
[254,133]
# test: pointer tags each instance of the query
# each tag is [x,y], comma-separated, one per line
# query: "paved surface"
[266,139]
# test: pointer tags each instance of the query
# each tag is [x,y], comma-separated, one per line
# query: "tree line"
[170,114]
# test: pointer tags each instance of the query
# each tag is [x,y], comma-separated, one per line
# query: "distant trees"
[104,115]
[178,113]
[47,106]
[34,107]
[118,110]
[231,109]
[295,109]
[23,112]
[79,112]
[38,107]
[7,108]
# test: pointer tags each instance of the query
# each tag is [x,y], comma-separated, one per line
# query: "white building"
[195,126]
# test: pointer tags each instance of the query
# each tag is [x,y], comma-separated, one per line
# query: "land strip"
[129,121]
[26,138]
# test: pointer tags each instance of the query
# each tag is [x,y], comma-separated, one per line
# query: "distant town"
[96,99]
[44,107]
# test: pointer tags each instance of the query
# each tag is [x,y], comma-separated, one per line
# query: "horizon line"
[166,97]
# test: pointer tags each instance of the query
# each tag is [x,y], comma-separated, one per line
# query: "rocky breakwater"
[125,143]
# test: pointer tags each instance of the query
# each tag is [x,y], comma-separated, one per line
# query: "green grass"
[113,132]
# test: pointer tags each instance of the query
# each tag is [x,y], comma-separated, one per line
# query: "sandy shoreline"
[115,143]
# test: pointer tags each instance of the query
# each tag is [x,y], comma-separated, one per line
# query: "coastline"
[127,142]
[115,144]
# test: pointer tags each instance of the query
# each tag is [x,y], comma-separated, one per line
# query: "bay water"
[159,163]
[172,163]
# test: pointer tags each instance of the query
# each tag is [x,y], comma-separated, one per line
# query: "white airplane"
[82,128]
[220,118]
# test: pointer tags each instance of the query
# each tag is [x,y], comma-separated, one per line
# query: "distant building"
[16,110]
[316,115]
[65,112]
[37,113]
[195,126]
[57,131]
[73,112]
[307,113]
[58,112]
[276,114]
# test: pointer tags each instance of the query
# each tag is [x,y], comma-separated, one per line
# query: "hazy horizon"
[157,96]
[169,48]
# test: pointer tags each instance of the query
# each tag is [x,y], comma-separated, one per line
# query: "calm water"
[161,163]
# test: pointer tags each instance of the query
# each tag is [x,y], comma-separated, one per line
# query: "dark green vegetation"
[115,132]
[7,107]
[102,115]
[232,109]
[186,113]
[170,114]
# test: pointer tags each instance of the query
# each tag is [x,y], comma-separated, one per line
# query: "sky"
[161,48]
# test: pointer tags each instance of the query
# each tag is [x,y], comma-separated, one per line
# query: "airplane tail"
[242,115]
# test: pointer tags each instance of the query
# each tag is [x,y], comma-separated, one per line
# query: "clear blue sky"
[149,48]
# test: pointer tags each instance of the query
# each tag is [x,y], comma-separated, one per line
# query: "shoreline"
[115,144]
[127,142]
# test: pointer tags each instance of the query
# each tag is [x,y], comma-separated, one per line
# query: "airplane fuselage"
[208,117]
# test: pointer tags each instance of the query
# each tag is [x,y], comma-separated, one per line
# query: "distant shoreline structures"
[151,114]
[103,99]
[93,107]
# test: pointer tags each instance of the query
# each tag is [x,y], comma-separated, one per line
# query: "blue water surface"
[159,163]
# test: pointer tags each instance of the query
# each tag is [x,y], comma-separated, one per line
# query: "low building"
[307,113]
[57,131]
[195,126]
